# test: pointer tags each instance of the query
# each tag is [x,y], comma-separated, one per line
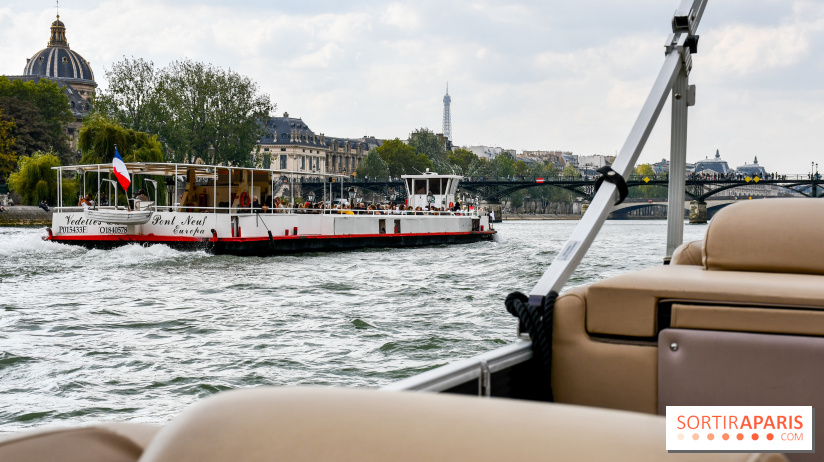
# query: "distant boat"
[216,208]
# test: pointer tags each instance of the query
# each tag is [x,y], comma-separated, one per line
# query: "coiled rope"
[538,323]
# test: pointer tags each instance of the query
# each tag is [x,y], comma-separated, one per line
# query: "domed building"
[716,165]
[752,169]
[58,61]
[69,70]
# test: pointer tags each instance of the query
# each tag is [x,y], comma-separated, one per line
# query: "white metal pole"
[571,254]
[174,201]
[678,162]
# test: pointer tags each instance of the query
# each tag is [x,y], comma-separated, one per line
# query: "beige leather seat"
[317,424]
[111,442]
[744,309]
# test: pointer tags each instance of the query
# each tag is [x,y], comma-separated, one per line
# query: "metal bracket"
[485,380]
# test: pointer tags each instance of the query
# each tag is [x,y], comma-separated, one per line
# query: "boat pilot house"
[246,211]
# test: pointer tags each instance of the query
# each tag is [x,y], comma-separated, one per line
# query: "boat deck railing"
[281,211]
[479,368]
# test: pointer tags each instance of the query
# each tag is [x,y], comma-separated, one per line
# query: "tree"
[99,135]
[8,156]
[570,172]
[521,168]
[35,180]
[52,105]
[461,159]
[503,165]
[212,114]
[402,159]
[131,98]
[646,171]
[30,131]
[373,166]
[427,142]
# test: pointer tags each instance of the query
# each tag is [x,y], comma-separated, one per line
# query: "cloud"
[401,16]
[525,75]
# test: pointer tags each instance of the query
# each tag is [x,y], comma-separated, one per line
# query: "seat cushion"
[768,235]
[315,424]
[690,253]
[114,442]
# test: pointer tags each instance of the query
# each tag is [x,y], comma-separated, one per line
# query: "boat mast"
[680,44]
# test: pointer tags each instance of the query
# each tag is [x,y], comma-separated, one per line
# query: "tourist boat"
[231,210]
[735,319]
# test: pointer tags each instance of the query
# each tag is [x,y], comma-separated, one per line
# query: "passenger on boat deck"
[255,205]
[141,195]
[43,205]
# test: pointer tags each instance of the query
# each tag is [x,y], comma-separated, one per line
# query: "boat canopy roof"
[427,175]
[168,169]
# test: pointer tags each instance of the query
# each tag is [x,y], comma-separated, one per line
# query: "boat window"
[435,186]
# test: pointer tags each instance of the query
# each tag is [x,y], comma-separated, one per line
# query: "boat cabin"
[431,189]
[191,187]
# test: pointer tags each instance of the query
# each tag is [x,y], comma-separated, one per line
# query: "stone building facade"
[289,144]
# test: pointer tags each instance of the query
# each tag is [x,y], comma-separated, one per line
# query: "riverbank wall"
[540,216]
[24,215]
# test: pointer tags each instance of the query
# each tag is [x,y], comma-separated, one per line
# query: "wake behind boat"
[220,209]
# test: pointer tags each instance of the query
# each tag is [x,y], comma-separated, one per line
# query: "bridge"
[496,189]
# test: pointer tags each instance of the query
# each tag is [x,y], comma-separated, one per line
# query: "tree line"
[197,110]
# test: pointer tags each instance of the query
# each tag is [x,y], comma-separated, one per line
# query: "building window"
[282,149]
[283,162]
[65,60]
[303,162]
[265,149]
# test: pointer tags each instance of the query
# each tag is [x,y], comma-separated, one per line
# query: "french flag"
[120,170]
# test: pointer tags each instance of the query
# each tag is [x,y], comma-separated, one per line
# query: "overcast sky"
[536,75]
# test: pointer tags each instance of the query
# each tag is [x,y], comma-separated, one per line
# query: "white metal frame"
[672,79]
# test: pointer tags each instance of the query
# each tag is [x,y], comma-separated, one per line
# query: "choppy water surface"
[140,333]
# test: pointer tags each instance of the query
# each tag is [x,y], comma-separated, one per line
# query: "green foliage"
[521,168]
[403,159]
[503,165]
[427,142]
[646,192]
[131,97]
[51,104]
[460,159]
[99,135]
[196,109]
[570,171]
[35,180]
[373,166]
[30,131]
[8,156]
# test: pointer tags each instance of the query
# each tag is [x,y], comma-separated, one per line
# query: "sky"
[565,75]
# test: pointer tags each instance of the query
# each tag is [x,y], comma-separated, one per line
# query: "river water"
[140,333]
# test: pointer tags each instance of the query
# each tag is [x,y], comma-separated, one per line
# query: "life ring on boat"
[244,200]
